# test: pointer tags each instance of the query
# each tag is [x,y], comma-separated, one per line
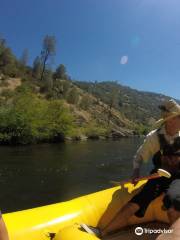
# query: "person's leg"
[3,230]
[175,227]
[173,215]
[121,218]
[137,205]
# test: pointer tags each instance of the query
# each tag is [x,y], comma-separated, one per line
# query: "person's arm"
[175,235]
[144,153]
[3,230]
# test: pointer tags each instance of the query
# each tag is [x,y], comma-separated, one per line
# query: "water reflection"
[42,174]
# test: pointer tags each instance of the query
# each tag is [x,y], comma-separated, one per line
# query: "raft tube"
[61,221]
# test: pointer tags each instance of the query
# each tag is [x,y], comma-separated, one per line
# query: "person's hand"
[170,163]
[134,176]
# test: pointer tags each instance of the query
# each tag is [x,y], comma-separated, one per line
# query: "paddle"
[160,173]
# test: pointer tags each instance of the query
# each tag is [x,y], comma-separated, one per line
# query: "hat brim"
[163,120]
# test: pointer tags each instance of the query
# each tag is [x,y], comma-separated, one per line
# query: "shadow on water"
[37,175]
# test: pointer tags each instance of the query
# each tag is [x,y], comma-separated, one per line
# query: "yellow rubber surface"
[63,218]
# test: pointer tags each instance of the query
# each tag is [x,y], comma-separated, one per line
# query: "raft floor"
[129,232]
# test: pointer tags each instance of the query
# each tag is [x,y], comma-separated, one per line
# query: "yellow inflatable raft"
[61,221]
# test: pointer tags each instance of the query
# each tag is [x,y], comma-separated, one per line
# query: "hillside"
[89,116]
[98,110]
[137,106]
[40,104]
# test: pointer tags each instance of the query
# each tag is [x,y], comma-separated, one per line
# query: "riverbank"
[76,134]
[114,135]
[64,139]
[30,116]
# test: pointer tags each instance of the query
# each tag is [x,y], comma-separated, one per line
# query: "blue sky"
[94,38]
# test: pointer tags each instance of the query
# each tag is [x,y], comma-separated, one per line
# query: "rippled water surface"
[37,175]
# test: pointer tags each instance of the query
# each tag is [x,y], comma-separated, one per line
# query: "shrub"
[32,119]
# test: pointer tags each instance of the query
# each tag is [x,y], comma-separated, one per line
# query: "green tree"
[61,72]
[29,118]
[48,51]
[2,44]
[48,80]
[37,67]
[112,102]
[61,88]
[59,118]
[8,62]
[6,57]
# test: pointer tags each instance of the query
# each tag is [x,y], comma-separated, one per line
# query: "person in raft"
[162,145]
[3,229]
[171,203]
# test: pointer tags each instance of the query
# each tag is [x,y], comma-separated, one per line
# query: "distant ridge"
[138,106]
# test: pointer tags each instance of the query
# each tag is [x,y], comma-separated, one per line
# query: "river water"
[37,175]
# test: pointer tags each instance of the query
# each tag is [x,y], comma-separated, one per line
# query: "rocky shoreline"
[114,135]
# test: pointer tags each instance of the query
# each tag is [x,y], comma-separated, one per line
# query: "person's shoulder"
[153,134]
[152,137]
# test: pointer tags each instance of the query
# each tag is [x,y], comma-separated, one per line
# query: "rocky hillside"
[137,106]
[105,109]
[92,117]
[39,103]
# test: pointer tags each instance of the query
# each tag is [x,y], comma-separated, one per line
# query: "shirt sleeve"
[147,150]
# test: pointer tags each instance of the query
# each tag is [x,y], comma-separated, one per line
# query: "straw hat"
[169,109]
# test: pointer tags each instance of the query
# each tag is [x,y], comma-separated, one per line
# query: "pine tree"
[61,72]
[48,51]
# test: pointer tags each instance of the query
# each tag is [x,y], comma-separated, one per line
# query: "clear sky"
[136,42]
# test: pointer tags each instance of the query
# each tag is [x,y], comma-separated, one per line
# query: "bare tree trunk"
[44,65]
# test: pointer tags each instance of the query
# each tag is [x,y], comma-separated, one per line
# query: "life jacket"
[165,149]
